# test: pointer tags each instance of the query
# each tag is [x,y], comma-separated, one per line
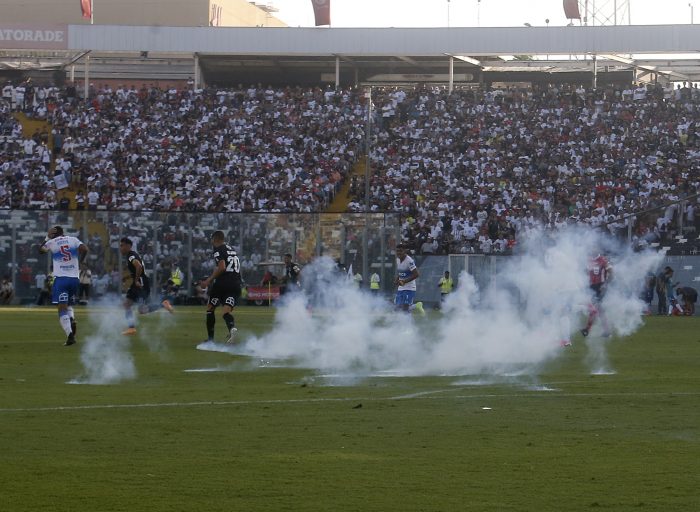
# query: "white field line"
[421,394]
[428,395]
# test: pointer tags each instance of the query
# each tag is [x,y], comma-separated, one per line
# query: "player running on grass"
[226,290]
[67,254]
[406,275]
[599,275]
[140,289]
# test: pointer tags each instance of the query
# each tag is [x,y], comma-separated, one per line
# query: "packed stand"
[470,169]
[255,149]
[26,180]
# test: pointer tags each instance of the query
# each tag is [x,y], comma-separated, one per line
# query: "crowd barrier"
[364,241]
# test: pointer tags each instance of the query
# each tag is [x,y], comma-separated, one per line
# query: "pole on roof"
[337,72]
[196,71]
[452,75]
[86,77]
[87,59]
[595,72]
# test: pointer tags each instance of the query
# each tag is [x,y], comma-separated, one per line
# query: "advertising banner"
[33,36]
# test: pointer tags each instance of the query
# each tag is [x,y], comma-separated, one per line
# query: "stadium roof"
[632,39]
[270,54]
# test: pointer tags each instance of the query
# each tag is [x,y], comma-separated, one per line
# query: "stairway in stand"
[29,127]
[342,198]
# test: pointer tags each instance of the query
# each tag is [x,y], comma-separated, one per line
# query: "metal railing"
[165,238]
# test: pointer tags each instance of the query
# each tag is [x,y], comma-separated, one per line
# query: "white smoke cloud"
[151,332]
[513,326]
[105,353]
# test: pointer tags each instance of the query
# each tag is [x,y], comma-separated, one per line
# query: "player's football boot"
[231,335]
[70,340]
[131,331]
[168,307]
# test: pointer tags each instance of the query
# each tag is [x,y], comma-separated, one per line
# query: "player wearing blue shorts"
[406,275]
[67,254]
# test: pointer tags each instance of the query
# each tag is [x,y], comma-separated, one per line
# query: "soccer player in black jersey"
[226,287]
[140,289]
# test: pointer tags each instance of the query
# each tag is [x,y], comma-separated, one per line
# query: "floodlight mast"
[606,12]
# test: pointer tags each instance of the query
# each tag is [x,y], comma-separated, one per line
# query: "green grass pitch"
[251,438]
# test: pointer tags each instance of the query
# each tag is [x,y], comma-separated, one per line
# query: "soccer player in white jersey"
[67,253]
[406,275]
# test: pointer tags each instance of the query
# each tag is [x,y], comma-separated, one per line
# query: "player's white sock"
[64,320]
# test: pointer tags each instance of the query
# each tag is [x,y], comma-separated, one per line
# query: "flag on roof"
[86,8]
[322,12]
[571,10]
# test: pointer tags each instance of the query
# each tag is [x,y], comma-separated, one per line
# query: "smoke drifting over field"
[106,354]
[514,325]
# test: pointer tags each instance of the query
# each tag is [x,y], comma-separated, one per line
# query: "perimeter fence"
[364,242]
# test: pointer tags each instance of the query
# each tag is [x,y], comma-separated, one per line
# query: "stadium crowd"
[467,170]
[471,169]
[258,149]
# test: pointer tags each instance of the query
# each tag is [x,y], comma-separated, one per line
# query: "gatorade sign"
[33,37]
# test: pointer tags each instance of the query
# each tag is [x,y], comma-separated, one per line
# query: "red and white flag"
[86,7]
[322,11]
